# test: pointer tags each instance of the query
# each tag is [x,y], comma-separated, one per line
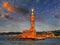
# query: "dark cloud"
[22,9]
[57,16]
[8,17]
[5,16]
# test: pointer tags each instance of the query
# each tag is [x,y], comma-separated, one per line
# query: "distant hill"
[4,33]
[56,32]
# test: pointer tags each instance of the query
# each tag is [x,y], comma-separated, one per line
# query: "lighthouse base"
[25,39]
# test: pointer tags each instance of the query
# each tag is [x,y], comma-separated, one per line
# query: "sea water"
[49,41]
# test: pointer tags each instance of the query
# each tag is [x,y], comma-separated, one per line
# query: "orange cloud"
[8,6]
[11,8]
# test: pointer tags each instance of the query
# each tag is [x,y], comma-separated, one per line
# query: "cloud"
[9,7]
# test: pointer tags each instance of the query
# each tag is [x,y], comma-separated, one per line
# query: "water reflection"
[31,42]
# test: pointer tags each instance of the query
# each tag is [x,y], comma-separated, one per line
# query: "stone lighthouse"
[32,23]
[31,33]
[32,20]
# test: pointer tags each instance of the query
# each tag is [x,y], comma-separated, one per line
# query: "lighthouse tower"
[32,17]
[31,33]
[32,24]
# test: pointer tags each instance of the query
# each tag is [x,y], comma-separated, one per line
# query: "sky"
[47,15]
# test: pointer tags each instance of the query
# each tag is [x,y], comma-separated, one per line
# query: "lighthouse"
[32,20]
[32,24]
[31,33]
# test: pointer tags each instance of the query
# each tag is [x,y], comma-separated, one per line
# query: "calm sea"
[3,41]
